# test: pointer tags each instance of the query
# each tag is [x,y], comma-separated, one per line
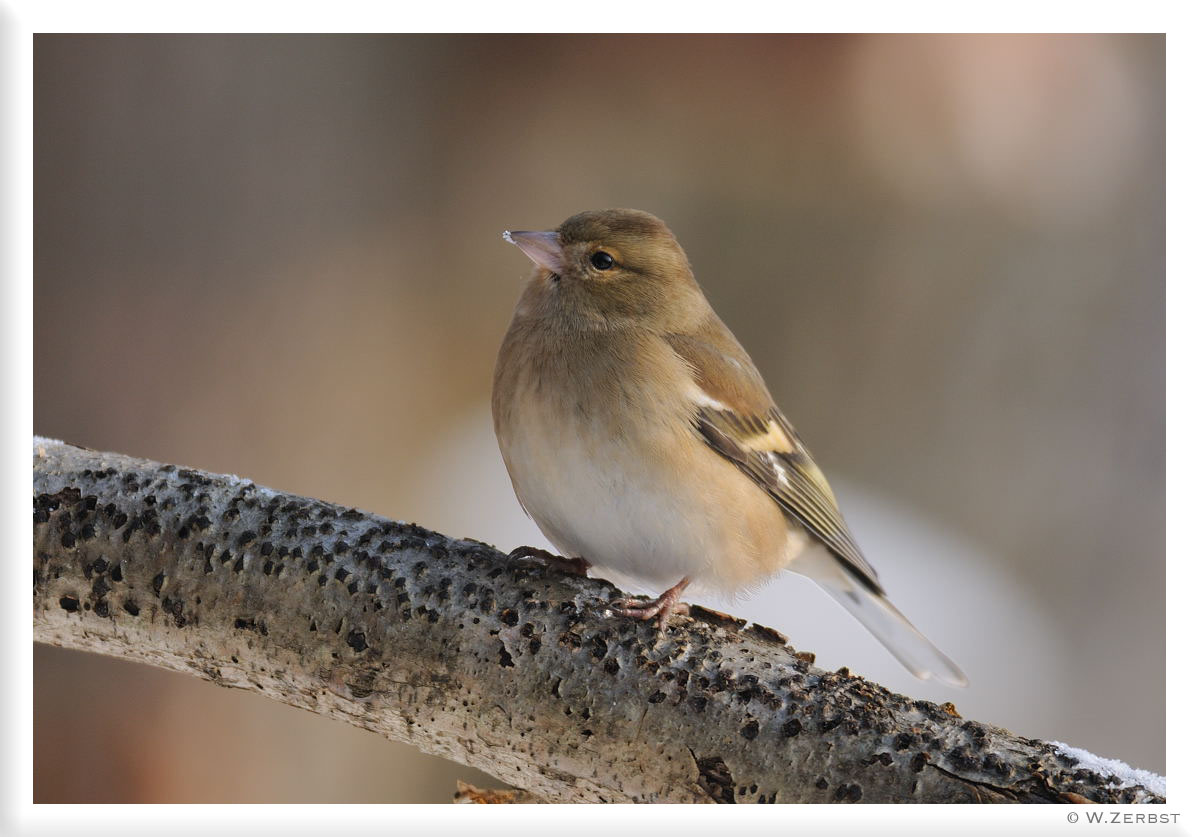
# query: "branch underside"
[508,666]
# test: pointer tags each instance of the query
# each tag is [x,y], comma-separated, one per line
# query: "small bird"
[640,437]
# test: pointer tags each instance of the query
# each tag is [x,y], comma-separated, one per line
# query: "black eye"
[601,260]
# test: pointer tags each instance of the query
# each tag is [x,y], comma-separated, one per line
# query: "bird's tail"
[890,627]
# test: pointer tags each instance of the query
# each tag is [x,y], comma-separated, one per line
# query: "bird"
[640,437]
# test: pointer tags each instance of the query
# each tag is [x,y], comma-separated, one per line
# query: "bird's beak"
[544,248]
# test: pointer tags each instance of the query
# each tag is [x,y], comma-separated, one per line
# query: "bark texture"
[509,666]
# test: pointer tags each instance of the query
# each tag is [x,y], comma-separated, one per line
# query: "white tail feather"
[890,627]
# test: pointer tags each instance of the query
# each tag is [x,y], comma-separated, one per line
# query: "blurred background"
[280,256]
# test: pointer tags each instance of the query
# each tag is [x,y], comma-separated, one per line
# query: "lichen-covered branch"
[509,666]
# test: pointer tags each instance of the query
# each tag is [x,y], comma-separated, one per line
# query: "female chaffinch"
[640,437]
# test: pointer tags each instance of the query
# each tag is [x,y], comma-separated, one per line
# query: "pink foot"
[662,607]
[574,566]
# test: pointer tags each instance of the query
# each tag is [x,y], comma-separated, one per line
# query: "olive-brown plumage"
[640,437]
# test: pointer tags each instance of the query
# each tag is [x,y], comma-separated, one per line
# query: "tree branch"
[508,666]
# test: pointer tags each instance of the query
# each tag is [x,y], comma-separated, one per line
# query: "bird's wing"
[737,418]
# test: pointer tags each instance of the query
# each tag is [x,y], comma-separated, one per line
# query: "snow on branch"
[509,666]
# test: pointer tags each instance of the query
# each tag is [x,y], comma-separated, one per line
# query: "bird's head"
[609,268]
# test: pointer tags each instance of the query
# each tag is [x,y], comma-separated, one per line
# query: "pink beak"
[544,248]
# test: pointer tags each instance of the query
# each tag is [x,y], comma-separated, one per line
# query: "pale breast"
[607,464]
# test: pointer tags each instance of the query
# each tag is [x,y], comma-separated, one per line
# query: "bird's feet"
[662,607]
[574,566]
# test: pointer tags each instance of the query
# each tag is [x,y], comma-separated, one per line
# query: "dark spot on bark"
[87,532]
[848,793]
[509,617]
[715,779]
[962,759]
[352,587]
[830,724]
[266,549]
[822,783]
[131,608]
[750,731]
[267,566]
[245,537]
[612,666]
[100,587]
[102,608]
[157,583]
[792,728]
[356,640]
[341,574]
[919,760]
[340,547]
[69,604]
[68,540]
[505,658]
[699,703]
[977,731]
[239,564]
[903,740]
[250,625]
[534,645]
[996,765]
[657,697]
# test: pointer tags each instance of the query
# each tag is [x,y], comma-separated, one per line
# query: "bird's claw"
[644,609]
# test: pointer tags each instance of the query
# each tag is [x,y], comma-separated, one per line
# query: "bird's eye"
[601,260]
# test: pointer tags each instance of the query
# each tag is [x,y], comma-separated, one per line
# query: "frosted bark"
[508,666]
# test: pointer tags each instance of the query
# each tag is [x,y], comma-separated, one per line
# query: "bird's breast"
[604,458]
